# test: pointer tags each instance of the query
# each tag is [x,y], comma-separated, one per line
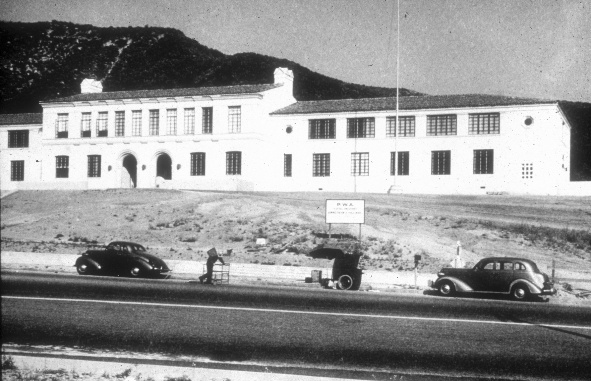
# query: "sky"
[525,48]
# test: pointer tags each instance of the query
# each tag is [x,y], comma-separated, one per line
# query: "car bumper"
[548,291]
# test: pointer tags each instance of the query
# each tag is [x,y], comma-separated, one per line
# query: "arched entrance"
[164,167]
[129,172]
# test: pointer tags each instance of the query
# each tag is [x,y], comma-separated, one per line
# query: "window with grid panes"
[101,124]
[17,170]
[189,124]
[85,125]
[287,165]
[154,122]
[18,139]
[401,165]
[233,163]
[94,166]
[171,121]
[484,124]
[119,123]
[440,162]
[321,129]
[483,161]
[234,119]
[207,120]
[406,129]
[321,165]
[360,164]
[62,167]
[61,128]
[360,127]
[442,125]
[198,164]
[136,122]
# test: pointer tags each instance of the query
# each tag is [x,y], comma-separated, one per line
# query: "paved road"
[381,333]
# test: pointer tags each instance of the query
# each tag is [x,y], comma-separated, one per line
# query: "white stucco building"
[257,137]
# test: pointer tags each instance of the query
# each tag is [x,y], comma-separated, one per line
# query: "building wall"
[31,156]
[544,145]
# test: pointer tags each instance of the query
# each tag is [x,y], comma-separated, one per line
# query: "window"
[483,124]
[17,170]
[506,266]
[321,129]
[287,165]
[101,124]
[519,267]
[94,165]
[406,129]
[360,164]
[440,162]
[171,121]
[527,171]
[61,128]
[489,266]
[119,123]
[62,167]
[234,119]
[442,125]
[483,161]
[85,125]
[207,120]
[189,121]
[18,139]
[136,122]
[154,126]
[321,165]
[360,127]
[233,163]
[402,167]
[198,164]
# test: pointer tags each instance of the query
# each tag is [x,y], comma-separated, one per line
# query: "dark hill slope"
[49,59]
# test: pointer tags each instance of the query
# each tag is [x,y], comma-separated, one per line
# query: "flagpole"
[396,126]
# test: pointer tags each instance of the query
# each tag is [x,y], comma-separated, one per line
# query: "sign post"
[345,212]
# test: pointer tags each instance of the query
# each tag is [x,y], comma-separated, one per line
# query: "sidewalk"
[240,273]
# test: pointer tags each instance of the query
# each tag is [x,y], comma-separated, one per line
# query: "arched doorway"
[129,172]
[164,167]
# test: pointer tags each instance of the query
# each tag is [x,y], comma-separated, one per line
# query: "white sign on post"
[345,211]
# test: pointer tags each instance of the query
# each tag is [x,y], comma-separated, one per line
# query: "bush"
[8,363]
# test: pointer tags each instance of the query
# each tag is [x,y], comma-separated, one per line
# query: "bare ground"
[183,225]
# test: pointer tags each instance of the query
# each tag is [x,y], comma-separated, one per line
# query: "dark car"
[120,258]
[345,273]
[517,277]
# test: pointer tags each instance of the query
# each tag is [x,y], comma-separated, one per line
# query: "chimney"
[283,75]
[91,86]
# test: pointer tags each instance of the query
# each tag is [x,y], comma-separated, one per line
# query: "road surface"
[322,328]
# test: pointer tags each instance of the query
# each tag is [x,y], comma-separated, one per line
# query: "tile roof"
[163,93]
[420,102]
[16,119]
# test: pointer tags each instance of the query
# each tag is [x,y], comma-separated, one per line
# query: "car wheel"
[84,269]
[135,272]
[447,288]
[520,292]
[345,282]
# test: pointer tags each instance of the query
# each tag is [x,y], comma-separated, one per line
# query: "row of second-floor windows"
[437,125]
[18,138]
[483,163]
[101,124]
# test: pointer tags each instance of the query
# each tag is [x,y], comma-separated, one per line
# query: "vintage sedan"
[120,258]
[518,277]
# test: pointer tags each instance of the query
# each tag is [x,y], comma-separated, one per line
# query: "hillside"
[49,59]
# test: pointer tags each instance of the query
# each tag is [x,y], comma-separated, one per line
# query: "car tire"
[447,288]
[520,292]
[135,272]
[345,282]
[84,269]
